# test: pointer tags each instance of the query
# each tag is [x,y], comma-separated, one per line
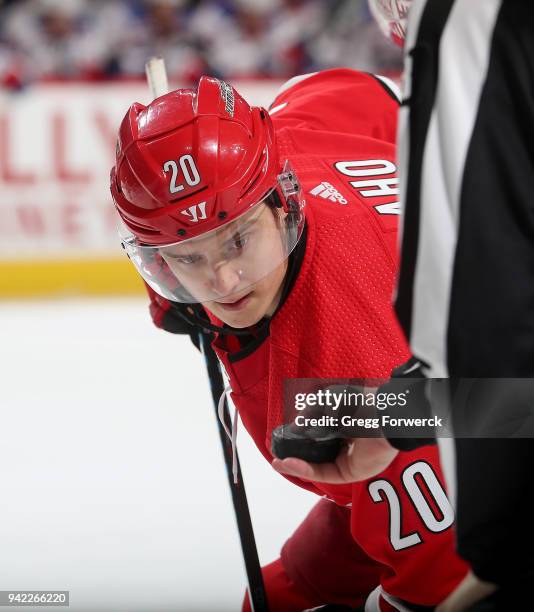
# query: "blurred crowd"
[111,39]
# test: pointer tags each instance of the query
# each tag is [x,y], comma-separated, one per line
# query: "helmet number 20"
[189,171]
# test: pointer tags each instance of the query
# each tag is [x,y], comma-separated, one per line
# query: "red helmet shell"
[191,161]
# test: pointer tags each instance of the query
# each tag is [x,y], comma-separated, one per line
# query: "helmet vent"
[256,175]
[138,227]
[188,195]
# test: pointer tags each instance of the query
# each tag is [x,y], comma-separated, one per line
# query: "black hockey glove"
[172,317]
[409,376]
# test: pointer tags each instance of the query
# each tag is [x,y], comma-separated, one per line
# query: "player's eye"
[238,243]
[188,260]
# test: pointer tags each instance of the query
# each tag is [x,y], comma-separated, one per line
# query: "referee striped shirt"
[465,296]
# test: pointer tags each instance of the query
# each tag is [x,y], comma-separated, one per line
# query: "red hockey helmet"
[193,169]
[391,17]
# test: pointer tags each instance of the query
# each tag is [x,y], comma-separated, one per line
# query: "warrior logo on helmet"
[193,212]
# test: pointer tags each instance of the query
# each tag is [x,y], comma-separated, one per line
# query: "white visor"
[222,263]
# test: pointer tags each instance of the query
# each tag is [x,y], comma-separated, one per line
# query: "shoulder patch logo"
[328,192]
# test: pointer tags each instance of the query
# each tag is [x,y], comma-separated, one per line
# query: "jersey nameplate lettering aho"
[369,185]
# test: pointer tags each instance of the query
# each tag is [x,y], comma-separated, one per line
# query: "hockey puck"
[315,445]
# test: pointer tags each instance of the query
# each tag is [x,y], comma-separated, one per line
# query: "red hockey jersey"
[337,129]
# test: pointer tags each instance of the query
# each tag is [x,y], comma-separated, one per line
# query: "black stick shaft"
[256,588]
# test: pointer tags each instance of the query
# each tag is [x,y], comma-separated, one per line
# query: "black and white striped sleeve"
[465,296]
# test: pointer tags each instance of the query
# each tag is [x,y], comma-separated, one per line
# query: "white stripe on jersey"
[463,59]
[372,603]
[403,140]
[391,85]
[293,81]
[277,108]
[447,458]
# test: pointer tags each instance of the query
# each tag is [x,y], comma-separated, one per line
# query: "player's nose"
[225,278]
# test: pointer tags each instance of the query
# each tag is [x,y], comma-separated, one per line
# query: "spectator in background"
[350,37]
[226,38]
[293,27]
[241,48]
[160,29]
[51,39]
[10,66]
[266,38]
[206,17]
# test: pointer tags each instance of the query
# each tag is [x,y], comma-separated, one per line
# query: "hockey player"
[278,231]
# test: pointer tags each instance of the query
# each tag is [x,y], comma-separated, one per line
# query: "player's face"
[235,268]
[260,300]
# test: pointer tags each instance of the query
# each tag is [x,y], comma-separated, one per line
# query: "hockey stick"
[157,80]
[256,588]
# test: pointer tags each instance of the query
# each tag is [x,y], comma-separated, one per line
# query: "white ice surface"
[112,482]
